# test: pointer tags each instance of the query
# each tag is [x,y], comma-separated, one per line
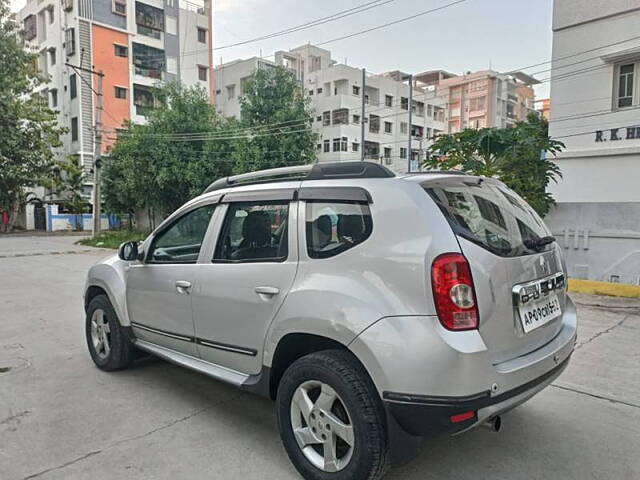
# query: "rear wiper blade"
[540,242]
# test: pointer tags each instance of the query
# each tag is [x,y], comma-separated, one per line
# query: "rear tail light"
[453,292]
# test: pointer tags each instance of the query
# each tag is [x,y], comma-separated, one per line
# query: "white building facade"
[336,94]
[595,99]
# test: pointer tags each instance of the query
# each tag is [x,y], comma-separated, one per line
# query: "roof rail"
[429,172]
[318,171]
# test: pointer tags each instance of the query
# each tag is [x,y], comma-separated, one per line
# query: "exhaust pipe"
[493,424]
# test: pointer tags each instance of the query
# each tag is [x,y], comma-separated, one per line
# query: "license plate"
[538,312]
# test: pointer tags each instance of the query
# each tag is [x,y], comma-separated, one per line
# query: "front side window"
[334,227]
[254,232]
[625,85]
[182,240]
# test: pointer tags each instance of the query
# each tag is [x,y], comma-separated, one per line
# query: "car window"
[181,241]
[490,215]
[334,227]
[254,232]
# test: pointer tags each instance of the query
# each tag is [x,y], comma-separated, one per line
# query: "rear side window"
[489,215]
[254,232]
[334,227]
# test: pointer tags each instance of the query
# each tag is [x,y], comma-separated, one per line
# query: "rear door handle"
[182,286]
[270,291]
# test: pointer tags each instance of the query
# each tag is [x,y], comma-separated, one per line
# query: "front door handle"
[269,291]
[182,286]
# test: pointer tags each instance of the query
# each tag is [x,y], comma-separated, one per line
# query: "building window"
[202,73]
[231,92]
[52,56]
[326,146]
[356,119]
[319,118]
[403,152]
[388,101]
[121,92]
[344,142]
[30,27]
[69,41]
[319,90]
[387,155]
[51,15]
[54,97]
[340,116]
[355,146]
[120,50]
[404,127]
[150,20]
[374,123]
[355,89]
[326,119]
[336,144]
[625,85]
[404,103]
[74,129]
[311,92]
[119,7]
[319,147]
[148,61]
[387,127]
[202,35]
[73,86]
[143,100]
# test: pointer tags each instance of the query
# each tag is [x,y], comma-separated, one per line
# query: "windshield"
[491,216]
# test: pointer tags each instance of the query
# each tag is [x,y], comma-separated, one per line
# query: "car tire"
[312,381]
[109,346]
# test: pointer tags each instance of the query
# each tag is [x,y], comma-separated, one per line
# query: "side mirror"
[128,251]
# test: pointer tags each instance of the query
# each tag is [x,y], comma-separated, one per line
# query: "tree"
[276,112]
[28,128]
[67,182]
[514,155]
[174,157]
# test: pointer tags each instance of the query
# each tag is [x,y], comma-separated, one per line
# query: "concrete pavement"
[62,418]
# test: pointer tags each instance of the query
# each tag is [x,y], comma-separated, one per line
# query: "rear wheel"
[331,419]
[108,343]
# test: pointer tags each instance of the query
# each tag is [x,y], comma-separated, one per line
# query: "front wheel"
[331,419]
[108,344]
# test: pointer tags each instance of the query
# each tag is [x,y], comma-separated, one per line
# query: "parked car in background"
[374,309]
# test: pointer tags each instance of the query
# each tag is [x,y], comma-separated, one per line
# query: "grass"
[113,239]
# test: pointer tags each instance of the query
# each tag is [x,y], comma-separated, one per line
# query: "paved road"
[61,418]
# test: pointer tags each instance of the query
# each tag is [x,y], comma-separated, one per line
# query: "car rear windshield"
[490,215]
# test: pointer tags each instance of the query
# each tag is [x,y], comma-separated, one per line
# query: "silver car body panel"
[374,298]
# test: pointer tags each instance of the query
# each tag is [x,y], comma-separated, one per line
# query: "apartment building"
[336,92]
[595,98]
[543,107]
[482,99]
[134,44]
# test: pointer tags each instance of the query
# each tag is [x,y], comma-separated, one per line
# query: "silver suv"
[375,309]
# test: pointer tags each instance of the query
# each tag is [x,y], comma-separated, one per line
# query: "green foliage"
[185,145]
[28,128]
[511,154]
[160,165]
[113,238]
[273,96]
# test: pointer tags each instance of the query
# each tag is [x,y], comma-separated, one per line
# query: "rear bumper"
[428,416]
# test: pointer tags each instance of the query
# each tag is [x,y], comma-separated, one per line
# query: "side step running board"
[210,369]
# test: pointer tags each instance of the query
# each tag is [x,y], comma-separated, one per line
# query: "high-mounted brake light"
[453,292]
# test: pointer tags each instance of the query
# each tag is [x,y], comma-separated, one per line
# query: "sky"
[473,35]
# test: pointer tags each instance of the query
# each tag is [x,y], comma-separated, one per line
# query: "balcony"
[374,124]
[148,61]
[143,100]
[30,27]
[150,20]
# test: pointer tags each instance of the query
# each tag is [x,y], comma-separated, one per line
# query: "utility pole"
[410,120]
[97,211]
[364,79]
[97,142]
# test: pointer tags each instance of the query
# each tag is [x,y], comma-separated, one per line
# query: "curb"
[594,287]
[65,252]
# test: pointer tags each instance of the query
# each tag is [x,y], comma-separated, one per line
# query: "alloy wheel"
[322,426]
[100,334]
